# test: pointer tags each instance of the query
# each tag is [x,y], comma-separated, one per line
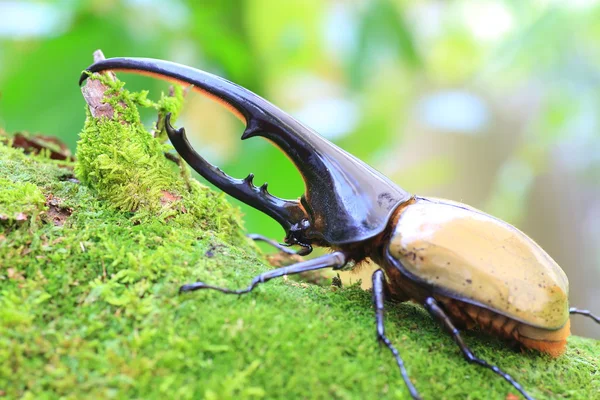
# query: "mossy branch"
[89,305]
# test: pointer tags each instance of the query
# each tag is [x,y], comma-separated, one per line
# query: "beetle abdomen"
[465,254]
[552,342]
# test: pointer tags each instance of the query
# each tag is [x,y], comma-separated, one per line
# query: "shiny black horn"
[345,200]
[286,212]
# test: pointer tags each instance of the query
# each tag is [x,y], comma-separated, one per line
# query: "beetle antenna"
[436,311]
[286,212]
[586,313]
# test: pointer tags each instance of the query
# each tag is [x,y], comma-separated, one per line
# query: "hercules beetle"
[465,267]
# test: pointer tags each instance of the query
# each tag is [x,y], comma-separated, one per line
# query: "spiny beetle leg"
[436,311]
[335,260]
[586,313]
[279,246]
[378,297]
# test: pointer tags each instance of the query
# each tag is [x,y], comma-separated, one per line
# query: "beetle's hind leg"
[586,313]
[379,286]
[436,311]
[335,260]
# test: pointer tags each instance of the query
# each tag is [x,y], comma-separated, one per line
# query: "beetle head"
[345,201]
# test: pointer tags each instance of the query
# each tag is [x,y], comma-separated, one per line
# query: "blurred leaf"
[455,58]
[428,174]
[382,31]
[219,31]
[285,35]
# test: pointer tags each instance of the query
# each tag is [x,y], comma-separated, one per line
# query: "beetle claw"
[192,287]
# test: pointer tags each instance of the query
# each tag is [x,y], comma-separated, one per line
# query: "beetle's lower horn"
[286,212]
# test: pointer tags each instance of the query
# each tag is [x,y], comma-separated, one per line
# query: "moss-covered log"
[91,263]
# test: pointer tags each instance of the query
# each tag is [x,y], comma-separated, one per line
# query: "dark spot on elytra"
[469,281]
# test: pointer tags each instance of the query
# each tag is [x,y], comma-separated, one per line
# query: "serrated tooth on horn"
[252,129]
[249,179]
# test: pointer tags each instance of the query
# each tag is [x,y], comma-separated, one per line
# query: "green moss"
[127,167]
[20,201]
[90,308]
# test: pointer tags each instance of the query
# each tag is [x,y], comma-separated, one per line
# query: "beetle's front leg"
[378,298]
[436,311]
[305,250]
[279,246]
[335,260]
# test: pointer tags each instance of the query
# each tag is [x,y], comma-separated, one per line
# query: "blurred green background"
[492,103]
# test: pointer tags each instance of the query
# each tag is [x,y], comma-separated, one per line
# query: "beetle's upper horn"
[345,199]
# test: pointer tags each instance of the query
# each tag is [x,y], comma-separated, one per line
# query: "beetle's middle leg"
[379,287]
[436,311]
[586,313]
[335,260]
